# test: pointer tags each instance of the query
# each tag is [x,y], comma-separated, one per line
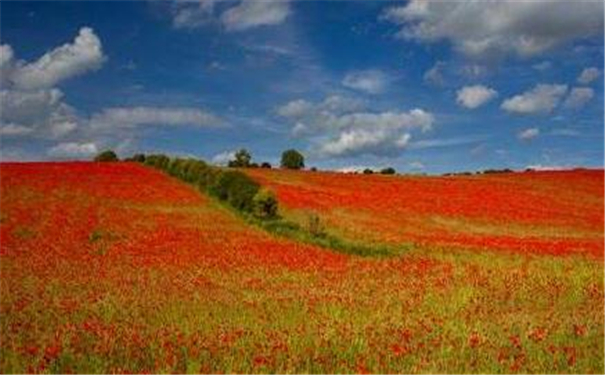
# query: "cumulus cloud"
[70,60]
[578,97]
[131,117]
[310,117]
[588,75]
[43,112]
[295,109]
[364,141]
[341,128]
[435,74]
[68,150]
[543,98]
[478,30]
[472,97]
[29,103]
[369,81]
[528,134]
[252,13]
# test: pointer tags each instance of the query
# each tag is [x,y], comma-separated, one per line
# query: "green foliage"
[107,155]
[264,204]
[137,158]
[368,171]
[388,170]
[157,161]
[242,159]
[292,159]
[266,165]
[235,188]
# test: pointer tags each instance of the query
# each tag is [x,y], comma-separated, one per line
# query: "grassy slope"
[129,270]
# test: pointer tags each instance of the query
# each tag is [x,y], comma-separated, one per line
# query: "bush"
[314,225]
[292,159]
[388,170]
[368,171]
[107,155]
[266,165]
[139,158]
[157,160]
[264,204]
[235,188]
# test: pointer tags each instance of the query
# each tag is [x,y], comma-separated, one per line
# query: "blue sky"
[423,86]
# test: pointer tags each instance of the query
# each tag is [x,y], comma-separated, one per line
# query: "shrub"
[292,159]
[314,225]
[368,171]
[266,165]
[139,158]
[107,155]
[264,204]
[388,170]
[235,188]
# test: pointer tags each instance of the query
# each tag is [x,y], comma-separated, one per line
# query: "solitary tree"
[242,159]
[292,159]
[107,155]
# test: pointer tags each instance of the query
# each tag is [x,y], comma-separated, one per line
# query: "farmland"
[117,267]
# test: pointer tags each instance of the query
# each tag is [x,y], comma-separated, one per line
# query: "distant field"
[538,212]
[115,267]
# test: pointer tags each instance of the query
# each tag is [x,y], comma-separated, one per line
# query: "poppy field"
[120,268]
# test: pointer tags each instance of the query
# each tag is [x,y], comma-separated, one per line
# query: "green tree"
[242,159]
[292,159]
[388,170]
[107,155]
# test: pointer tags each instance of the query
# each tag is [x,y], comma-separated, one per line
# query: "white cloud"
[369,81]
[73,150]
[130,117]
[578,97]
[189,15]
[70,60]
[528,134]
[29,102]
[446,142]
[542,98]
[475,96]
[223,158]
[480,30]
[295,109]
[364,141]
[435,74]
[385,133]
[41,111]
[588,75]
[340,127]
[14,130]
[253,13]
